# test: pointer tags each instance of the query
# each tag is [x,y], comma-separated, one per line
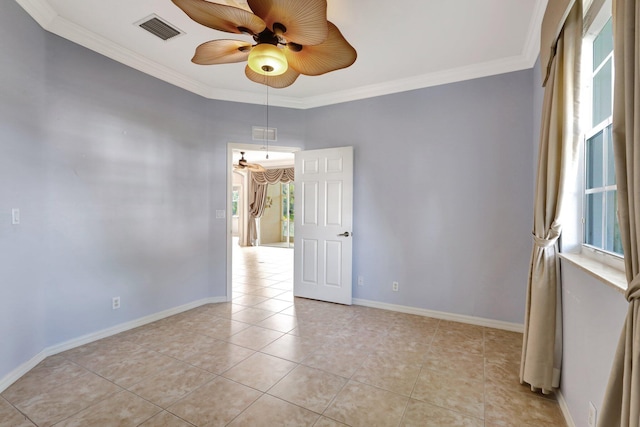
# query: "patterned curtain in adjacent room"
[258,182]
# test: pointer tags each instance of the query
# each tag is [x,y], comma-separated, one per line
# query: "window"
[288,200]
[600,220]
[235,197]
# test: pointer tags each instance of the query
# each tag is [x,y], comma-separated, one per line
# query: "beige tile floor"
[267,359]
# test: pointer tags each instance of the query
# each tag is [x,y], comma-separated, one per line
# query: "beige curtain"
[621,405]
[555,16]
[258,182]
[559,139]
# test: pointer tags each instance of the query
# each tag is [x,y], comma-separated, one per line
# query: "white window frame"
[604,189]
[606,266]
[600,19]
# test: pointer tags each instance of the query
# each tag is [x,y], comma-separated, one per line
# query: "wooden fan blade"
[278,82]
[221,52]
[335,53]
[304,21]
[221,17]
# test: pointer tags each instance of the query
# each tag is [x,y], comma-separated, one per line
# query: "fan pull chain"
[267,133]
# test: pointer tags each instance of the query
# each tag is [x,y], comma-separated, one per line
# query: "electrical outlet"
[115,303]
[360,281]
[593,415]
[395,286]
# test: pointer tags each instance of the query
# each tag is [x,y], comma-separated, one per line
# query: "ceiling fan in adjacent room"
[243,164]
[289,38]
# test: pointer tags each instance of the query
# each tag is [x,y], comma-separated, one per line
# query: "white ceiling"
[402,45]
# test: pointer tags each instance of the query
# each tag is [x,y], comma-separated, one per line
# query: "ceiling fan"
[290,38]
[243,164]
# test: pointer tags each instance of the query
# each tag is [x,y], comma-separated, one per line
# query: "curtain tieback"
[633,291]
[551,236]
[542,242]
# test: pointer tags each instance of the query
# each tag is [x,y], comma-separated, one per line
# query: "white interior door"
[323,224]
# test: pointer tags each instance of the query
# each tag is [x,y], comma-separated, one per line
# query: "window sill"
[610,276]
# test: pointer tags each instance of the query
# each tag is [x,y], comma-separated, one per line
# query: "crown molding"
[531,49]
[39,10]
[420,82]
[48,19]
[524,61]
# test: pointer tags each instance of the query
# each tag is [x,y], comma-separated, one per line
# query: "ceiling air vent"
[159,27]
[259,133]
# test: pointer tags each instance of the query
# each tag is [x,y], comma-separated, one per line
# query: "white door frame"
[231,147]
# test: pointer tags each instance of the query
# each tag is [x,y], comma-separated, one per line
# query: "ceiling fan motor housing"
[292,38]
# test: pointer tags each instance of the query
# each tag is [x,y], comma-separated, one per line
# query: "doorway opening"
[263,266]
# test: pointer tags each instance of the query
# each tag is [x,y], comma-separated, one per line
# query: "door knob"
[345,234]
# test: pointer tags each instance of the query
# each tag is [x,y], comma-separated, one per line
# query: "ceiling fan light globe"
[267,59]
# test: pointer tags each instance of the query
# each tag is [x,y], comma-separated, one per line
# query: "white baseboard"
[85,339]
[565,409]
[14,375]
[507,326]
[479,321]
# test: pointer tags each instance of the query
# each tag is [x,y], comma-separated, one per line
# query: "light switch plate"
[15,216]
[220,214]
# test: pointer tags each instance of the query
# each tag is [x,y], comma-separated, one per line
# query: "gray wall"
[593,315]
[116,175]
[442,193]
